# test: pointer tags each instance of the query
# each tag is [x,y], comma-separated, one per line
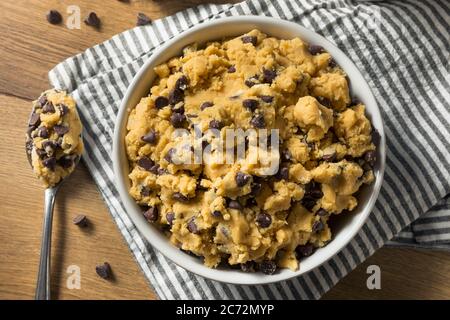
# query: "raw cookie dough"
[232,213]
[54,141]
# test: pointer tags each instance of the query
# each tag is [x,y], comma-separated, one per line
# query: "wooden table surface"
[30,47]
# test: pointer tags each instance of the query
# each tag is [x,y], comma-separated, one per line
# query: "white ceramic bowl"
[347,225]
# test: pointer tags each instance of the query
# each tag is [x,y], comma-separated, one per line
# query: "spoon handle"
[43,279]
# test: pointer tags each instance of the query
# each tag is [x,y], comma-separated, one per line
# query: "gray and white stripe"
[402,50]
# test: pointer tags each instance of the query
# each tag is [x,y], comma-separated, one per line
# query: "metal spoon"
[43,279]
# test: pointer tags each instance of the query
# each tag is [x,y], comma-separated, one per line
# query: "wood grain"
[30,47]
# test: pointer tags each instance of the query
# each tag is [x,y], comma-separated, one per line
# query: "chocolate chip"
[268,267]
[258,121]
[250,82]
[233,204]
[54,17]
[324,101]
[170,216]
[151,214]
[103,270]
[308,202]
[92,20]
[42,100]
[175,96]
[256,189]
[63,109]
[48,108]
[65,161]
[332,63]
[169,155]
[322,212]
[49,146]
[249,39]
[370,157]
[182,83]
[316,193]
[251,202]
[283,173]
[145,163]
[191,115]
[40,152]
[34,120]
[177,196]
[61,130]
[80,220]
[177,120]
[216,124]
[192,226]
[264,220]
[304,250]
[315,49]
[250,104]
[231,69]
[206,104]
[318,226]
[216,213]
[242,179]
[286,155]
[49,163]
[268,75]
[145,191]
[143,19]
[266,99]
[161,102]
[249,266]
[151,137]
[178,108]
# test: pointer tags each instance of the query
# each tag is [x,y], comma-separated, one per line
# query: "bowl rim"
[173,253]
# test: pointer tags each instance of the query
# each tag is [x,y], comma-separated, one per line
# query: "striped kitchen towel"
[401,48]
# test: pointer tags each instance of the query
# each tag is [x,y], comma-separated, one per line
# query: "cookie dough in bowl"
[54,141]
[234,216]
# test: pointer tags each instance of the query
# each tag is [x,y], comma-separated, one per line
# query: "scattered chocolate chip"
[40,152]
[92,20]
[370,157]
[268,267]
[308,202]
[61,130]
[161,102]
[250,104]
[315,49]
[249,39]
[233,204]
[192,226]
[258,121]
[177,120]
[49,146]
[177,196]
[283,173]
[151,137]
[216,213]
[332,63]
[318,226]
[232,69]
[182,83]
[268,75]
[103,270]
[286,155]
[266,99]
[250,82]
[304,250]
[145,191]
[216,124]
[256,189]
[145,163]
[175,96]
[151,214]
[143,19]
[54,17]
[206,104]
[34,120]
[170,216]
[251,202]
[42,100]
[249,266]
[63,109]
[316,193]
[242,179]
[49,163]
[48,108]
[264,220]
[169,155]
[80,220]
[322,212]
[65,161]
